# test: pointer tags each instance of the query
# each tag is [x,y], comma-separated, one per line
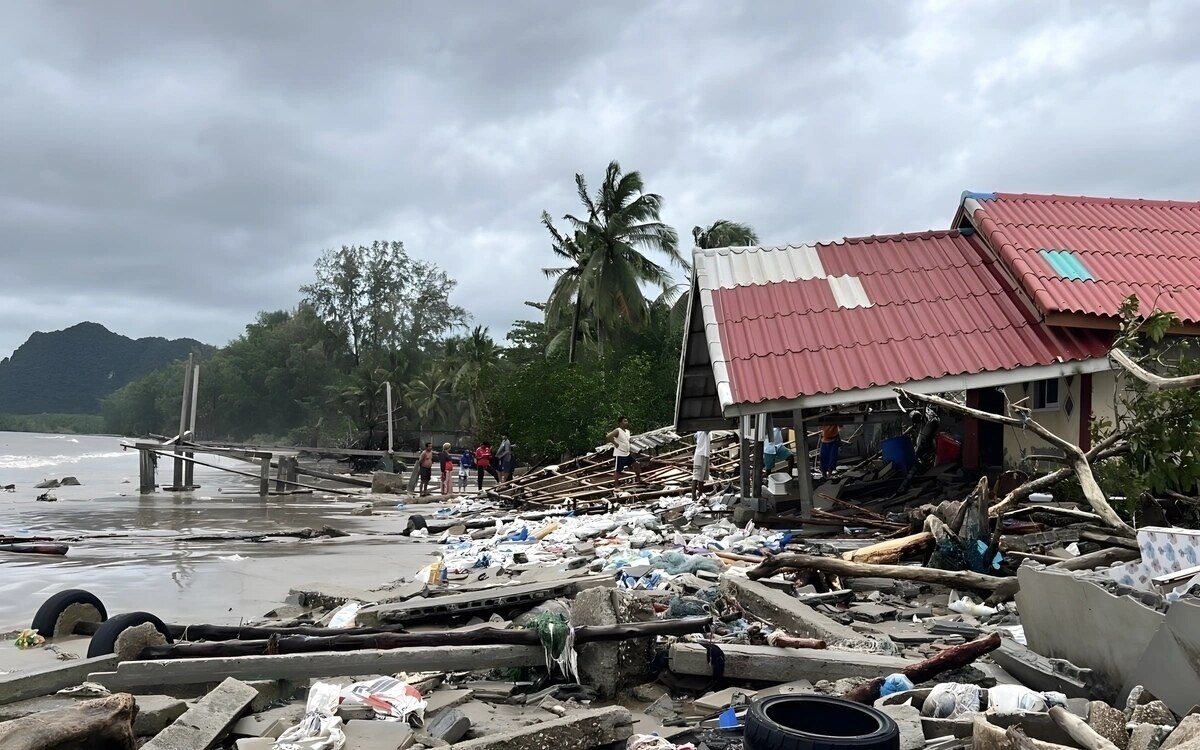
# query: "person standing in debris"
[700,462]
[619,437]
[465,462]
[504,455]
[831,445]
[425,463]
[447,465]
[483,463]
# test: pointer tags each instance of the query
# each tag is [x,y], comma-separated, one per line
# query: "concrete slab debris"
[378,735]
[443,699]
[908,719]
[449,726]
[784,664]
[205,723]
[786,611]
[1167,667]
[590,728]
[155,712]
[49,680]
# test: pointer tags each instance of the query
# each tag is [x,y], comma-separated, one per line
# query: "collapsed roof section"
[772,329]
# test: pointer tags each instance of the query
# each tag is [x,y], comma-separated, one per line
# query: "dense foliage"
[66,424]
[605,343]
[71,371]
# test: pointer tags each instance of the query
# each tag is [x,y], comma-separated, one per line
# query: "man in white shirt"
[700,462]
[619,438]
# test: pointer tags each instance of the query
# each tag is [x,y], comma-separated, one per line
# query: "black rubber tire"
[45,621]
[817,722]
[104,642]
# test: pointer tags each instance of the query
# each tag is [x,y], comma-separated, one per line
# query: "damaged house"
[1018,300]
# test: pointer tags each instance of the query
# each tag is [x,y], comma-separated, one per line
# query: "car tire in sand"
[59,615]
[817,722]
[127,634]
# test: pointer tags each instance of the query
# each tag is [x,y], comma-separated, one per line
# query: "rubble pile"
[567,610]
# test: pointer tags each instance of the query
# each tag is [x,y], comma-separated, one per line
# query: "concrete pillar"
[803,466]
[970,446]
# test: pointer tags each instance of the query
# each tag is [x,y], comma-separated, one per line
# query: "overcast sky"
[171,168]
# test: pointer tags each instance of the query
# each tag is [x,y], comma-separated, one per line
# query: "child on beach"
[464,469]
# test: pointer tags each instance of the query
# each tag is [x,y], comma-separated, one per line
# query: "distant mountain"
[70,371]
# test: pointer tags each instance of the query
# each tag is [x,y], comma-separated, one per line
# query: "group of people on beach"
[482,459]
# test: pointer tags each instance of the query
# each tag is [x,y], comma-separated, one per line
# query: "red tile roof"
[1143,247]
[911,307]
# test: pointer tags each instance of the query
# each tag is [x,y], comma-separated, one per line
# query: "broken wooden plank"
[104,722]
[891,550]
[205,723]
[769,664]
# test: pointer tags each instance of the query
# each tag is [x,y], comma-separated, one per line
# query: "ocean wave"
[67,438]
[37,462]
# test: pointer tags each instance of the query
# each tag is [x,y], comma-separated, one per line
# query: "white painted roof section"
[848,291]
[747,266]
[705,263]
[970,206]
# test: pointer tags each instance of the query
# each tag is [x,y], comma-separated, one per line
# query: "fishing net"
[558,643]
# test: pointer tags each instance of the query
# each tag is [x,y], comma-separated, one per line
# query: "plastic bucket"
[899,450]
[948,449]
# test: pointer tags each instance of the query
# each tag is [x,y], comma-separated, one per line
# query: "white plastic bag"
[344,616]
[965,606]
[1013,699]
[319,729]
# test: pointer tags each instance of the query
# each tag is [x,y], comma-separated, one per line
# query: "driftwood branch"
[1107,448]
[104,722]
[953,578]
[1077,458]
[1079,730]
[952,658]
[299,644]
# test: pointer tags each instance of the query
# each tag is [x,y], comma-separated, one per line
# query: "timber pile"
[589,479]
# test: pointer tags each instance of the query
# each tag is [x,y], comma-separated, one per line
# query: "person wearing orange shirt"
[831,444]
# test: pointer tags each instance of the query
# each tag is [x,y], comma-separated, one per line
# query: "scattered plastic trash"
[29,638]
[965,606]
[320,729]
[389,697]
[232,558]
[895,683]
[344,616]
[728,719]
[949,700]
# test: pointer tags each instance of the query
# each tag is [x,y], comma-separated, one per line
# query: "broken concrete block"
[255,743]
[722,698]
[1147,736]
[1154,712]
[387,483]
[378,735]
[770,664]
[591,728]
[207,721]
[353,711]
[908,719]
[32,683]
[1109,723]
[663,708]
[449,726]
[155,712]
[872,612]
[1188,730]
[787,688]
[442,699]
[259,726]
[785,611]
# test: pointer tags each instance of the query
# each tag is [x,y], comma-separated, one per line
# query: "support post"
[1085,412]
[744,458]
[389,417]
[803,465]
[264,482]
[970,447]
[184,402]
[189,469]
[760,421]
[146,466]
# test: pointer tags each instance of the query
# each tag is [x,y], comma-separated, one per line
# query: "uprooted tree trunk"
[1080,464]
[104,723]
[953,578]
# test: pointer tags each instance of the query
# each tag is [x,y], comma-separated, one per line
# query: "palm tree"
[568,291]
[428,395]
[607,265]
[725,233]
[721,233]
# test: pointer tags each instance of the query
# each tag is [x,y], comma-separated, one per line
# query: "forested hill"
[70,371]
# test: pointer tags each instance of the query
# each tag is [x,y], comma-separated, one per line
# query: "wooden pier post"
[264,482]
[146,465]
[189,469]
[184,402]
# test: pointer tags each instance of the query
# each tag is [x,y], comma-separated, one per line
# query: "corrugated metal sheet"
[887,311]
[1128,246]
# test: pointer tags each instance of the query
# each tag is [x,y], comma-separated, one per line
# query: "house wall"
[1020,443]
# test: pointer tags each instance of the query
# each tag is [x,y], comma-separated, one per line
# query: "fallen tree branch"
[1077,458]
[955,657]
[299,644]
[1079,730]
[961,579]
[1109,447]
[1152,381]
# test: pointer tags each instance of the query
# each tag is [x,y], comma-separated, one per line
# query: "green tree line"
[604,343]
